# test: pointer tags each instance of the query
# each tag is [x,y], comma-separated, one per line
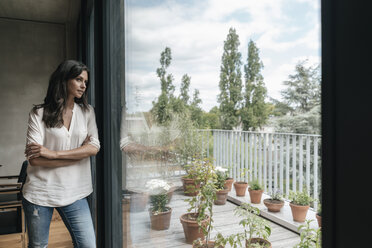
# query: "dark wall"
[29,52]
[347,122]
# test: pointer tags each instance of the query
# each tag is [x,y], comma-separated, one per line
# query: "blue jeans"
[76,217]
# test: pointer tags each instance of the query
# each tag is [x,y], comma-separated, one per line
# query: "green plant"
[300,198]
[201,205]
[244,172]
[309,237]
[255,185]
[158,195]
[221,177]
[187,143]
[203,174]
[276,195]
[254,226]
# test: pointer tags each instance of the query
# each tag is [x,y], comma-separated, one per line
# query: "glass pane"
[235,84]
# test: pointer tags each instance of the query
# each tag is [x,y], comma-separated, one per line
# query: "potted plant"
[160,214]
[255,191]
[208,192]
[229,180]
[256,229]
[300,204]
[309,237]
[196,219]
[241,186]
[222,191]
[318,215]
[191,181]
[275,202]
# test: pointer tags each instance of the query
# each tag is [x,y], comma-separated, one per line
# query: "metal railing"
[279,161]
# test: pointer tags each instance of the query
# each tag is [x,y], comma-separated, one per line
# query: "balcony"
[279,161]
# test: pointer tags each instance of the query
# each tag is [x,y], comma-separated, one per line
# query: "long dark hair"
[56,97]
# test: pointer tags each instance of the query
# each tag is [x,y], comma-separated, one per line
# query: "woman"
[62,135]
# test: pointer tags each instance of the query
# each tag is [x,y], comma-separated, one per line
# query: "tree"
[212,119]
[301,100]
[255,112]
[162,108]
[307,123]
[195,110]
[185,86]
[303,88]
[280,108]
[230,97]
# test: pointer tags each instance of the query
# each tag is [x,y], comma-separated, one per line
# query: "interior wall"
[30,52]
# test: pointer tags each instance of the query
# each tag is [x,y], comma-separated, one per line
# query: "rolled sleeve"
[34,130]
[92,129]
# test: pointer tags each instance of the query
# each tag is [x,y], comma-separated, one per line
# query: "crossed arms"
[39,155]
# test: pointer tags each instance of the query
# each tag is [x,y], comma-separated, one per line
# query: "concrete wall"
[29,52]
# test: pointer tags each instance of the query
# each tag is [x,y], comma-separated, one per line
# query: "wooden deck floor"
[137,232]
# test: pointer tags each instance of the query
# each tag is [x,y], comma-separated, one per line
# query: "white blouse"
[61,186]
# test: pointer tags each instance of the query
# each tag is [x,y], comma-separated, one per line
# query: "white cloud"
[196,34]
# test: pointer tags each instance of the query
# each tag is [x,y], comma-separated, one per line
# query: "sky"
[285,31]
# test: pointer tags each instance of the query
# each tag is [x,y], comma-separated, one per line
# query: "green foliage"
[300,198]
[208,194]
[303,87]
[255,185]
[255,111]
[230,97]
[201,205]
[300,111]
[202,171]
[167,105]
[306,123]
[162,109]
[254,226]
[276,195]
[187,144]
[185,87]
[243,172]
[309,237]
[195,110]
[221,178]
[280,108]
[158,203]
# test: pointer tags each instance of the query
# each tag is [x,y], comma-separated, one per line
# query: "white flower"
[219,168]
[157,186]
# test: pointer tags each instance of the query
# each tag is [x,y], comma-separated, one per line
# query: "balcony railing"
[283,161]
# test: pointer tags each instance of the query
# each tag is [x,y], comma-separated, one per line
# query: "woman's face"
[77,86]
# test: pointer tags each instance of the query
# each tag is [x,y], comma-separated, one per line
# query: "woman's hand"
[35,150]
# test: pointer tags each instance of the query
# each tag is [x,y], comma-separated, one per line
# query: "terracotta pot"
[228,183]
[191,228]
[299,212]
[240,188]
[138,202]
[221,197]
[161,220]
[255,195]
[273,205]
[210,245]
[189,187]
[319,219]
[260,241]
